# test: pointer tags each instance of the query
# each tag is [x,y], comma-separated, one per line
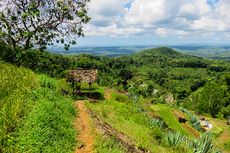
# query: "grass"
[15,84]
[48,126]
[107,145]
[34,115]
[120,97]
[165,113]
[127,119]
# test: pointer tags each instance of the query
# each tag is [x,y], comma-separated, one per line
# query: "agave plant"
[203,145]
[174,139]
[154,122]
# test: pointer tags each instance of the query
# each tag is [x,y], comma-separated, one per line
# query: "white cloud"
[162,32]
[158,17]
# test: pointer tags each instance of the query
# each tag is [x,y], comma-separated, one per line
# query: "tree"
[38,23]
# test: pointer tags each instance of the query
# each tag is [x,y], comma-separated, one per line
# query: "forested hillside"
[153,100]
[153,73]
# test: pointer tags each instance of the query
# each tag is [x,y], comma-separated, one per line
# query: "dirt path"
[85,131]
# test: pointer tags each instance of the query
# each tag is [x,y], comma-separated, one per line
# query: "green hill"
[153,101]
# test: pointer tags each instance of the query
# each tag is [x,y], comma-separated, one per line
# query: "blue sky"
[157,22]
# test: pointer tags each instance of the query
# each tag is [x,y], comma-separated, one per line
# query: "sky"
[157,22]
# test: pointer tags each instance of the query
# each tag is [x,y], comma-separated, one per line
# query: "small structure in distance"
[81,75]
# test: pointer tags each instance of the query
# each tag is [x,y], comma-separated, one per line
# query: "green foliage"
[47,82]
[226,112]
[210,99]
[34,116]
[203,145]
[152,73]
[48,127]
[120,97]
[165,113]
[53,65]
[174,140]
[39,23]
[105,145]
[15,83]
[129,120]
[193,119]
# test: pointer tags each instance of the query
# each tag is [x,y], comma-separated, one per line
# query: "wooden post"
[73,87]
[90,88]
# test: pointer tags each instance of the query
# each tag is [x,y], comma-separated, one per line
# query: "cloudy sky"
[157,22]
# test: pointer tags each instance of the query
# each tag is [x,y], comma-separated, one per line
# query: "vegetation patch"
[165,113]
[35,116]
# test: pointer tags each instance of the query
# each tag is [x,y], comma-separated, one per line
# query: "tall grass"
[34,115]
[48,126]
[15,83]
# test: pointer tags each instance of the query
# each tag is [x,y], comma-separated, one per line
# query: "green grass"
[120,97]
[48,127]
[15,84]
[127,119]
[34,115]
[107,145]
[165,113]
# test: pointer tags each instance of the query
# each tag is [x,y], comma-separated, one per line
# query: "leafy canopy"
[38,23]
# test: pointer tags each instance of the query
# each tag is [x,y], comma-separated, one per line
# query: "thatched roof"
[80,75]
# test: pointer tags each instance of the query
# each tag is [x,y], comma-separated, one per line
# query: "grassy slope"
[165,113]
[124,116]
[127,119]
[34,116]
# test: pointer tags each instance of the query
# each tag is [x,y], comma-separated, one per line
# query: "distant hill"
[212,52]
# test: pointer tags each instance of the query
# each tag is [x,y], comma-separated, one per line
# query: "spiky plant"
[203,145]
[154,122]
[174,139]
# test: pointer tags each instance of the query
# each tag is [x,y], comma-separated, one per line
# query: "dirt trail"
[85,131]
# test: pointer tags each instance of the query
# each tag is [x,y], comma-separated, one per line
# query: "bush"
[226,112]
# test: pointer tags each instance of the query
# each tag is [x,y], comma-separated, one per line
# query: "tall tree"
[38,23]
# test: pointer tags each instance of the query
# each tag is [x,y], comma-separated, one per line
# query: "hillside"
[34,115]
[151,101]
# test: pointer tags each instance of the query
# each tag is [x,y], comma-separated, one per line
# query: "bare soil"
[84,127]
